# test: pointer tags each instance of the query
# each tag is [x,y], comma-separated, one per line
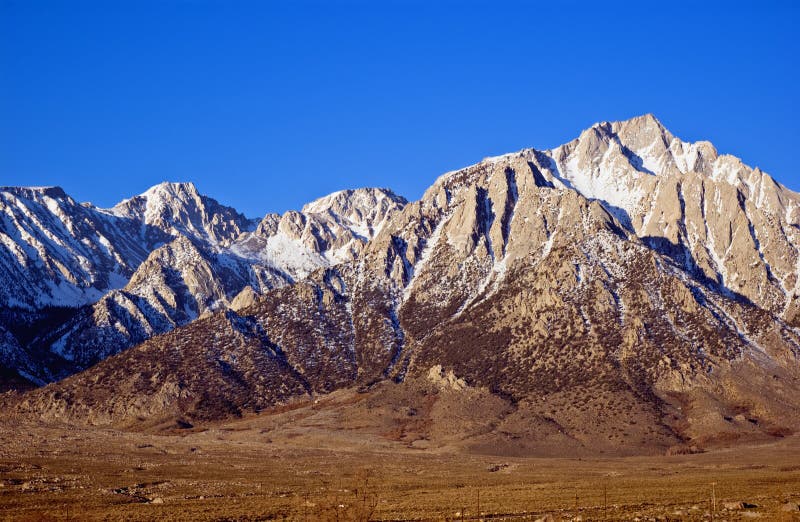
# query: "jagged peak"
[163,190]
[649,146]
[173,188]
[180,246]
[644,120]
[362,197]
[166,192]
[179,207]
[52,191]
[626,130]
[160,192]
[639,129]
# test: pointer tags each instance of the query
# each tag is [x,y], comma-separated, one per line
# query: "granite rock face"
[627,292]
[151,263]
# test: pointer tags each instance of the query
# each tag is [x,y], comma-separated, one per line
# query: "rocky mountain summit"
[626,291]
[83,283]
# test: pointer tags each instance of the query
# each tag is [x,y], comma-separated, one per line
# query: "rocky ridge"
[173,255]
[625,290]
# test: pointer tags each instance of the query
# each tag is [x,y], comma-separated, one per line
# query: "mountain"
[626,292]
[327,231]
[57,252]
[179,210]
[727,222]
[92,282]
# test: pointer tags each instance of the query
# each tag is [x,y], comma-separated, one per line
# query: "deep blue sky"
[267,105]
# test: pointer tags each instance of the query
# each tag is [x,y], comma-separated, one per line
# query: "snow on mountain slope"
[729,223]
[178,208]
[60,253]
[169,256]
[193,256]
[328,231]
[176,284]
[568,283]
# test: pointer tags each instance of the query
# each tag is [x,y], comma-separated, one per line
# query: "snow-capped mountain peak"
[51,191]
[170,255]
[330,230]
[178,208]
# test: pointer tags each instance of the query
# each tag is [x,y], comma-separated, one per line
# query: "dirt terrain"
[357,456]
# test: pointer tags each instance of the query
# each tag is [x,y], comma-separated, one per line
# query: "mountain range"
[627,291]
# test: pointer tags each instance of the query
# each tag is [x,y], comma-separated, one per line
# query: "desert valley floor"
[330,459]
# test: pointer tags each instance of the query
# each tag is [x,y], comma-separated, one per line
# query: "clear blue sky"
[267,105]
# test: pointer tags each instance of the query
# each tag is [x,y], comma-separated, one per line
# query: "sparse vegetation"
[336,460]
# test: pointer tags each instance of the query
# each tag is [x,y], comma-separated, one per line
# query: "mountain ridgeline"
[626,291]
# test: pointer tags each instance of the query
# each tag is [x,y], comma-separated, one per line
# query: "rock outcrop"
[625,292]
